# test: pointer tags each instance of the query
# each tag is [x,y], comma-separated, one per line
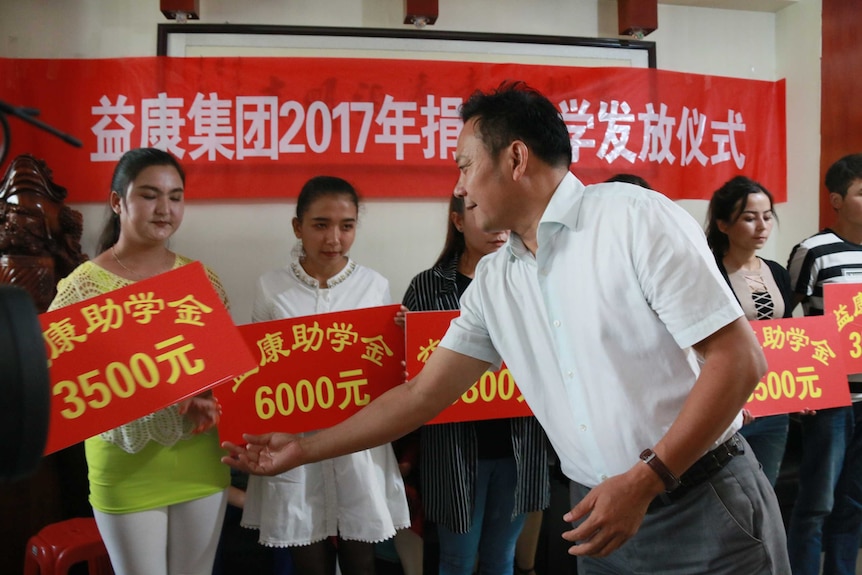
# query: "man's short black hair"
[630,179]
[515,111]
[842,173]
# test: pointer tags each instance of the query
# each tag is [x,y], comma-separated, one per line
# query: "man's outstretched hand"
[267,454]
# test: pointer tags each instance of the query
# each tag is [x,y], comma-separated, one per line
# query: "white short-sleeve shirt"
[597,328]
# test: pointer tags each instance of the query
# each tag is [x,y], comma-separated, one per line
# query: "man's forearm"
[385,419]
[733,365]
[400,410]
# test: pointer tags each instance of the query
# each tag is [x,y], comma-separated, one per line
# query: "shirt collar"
[565,205]
[564,208]
[516,247]
[448,272]
[303,276]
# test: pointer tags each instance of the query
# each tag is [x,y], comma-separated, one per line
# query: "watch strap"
[667,477]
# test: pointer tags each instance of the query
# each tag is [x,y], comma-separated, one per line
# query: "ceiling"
[752,5]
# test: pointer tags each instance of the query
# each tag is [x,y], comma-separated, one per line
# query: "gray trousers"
[731,524]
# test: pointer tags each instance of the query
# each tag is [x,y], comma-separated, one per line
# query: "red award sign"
[843,306]
[312,371]
[125,354]
[494,396]
[806,367]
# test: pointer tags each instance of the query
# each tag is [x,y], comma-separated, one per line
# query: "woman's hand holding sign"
[203,410]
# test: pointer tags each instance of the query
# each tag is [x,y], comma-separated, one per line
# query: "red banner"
[117,357]
[260,127]
[843,305]
[494,396]
[806,369]
[313,371]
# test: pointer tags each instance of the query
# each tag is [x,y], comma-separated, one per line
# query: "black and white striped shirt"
[821,259]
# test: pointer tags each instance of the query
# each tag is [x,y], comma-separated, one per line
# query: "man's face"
[849,207]
[481,182]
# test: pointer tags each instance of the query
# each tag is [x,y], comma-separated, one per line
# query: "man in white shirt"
[626,342]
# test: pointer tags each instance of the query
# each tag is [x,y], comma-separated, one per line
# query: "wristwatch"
[667,477]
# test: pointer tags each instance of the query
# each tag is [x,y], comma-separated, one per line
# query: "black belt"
[700,471]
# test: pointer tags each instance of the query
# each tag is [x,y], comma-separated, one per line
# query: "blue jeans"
[767,437]
[827,515]
[493,532]
[728,525]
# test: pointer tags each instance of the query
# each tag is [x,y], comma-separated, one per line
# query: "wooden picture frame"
[308,41]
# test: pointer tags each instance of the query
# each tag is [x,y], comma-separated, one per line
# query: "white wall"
[798,45]
[399,239]
[761,46]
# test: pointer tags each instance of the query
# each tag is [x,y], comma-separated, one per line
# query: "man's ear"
[520,153]
[835,200]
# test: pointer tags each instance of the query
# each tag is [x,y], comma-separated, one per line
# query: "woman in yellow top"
[157,486]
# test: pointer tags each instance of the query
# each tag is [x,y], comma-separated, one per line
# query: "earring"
[298,251]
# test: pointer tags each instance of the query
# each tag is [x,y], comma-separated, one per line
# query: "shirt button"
[556,323]
[569,374]
[583,427]
[604,477]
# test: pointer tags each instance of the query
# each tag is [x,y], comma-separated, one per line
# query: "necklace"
[122,265]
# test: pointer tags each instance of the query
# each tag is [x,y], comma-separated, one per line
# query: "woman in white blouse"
[359,498]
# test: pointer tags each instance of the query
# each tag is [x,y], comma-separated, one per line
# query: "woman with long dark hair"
[479,479]
[740,218]
[157,486]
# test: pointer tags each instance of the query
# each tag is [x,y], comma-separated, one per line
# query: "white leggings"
[178,539]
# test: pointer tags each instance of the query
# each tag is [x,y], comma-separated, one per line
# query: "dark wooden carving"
[40,237]
[40,243]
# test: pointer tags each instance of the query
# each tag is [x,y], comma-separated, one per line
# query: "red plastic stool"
[60,545]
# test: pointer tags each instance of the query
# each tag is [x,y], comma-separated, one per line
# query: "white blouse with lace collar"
[290,291]
[303,276]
